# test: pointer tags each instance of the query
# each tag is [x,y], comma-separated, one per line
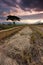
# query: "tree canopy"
[10,17]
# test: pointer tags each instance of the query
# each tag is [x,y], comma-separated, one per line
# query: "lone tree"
[13,18]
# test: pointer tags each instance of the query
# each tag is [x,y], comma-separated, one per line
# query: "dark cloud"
[36,5]
[32,4]
[26,5]
[5,6]
[10,2]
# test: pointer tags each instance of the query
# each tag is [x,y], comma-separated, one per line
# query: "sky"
[28,10]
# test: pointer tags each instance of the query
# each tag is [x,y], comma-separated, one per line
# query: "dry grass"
[37,41]
[27,56]
[6,33]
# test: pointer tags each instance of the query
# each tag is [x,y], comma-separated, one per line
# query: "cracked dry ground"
[20,50]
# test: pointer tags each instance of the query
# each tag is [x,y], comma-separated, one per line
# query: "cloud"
[32,4]
[18,1]
[10,2]
[33,17]
[23,8]
[37,5]
[26,5]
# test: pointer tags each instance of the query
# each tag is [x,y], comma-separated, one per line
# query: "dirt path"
[23,48]
[12,50]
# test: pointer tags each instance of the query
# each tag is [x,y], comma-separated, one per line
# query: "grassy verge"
[8,32]
[8,26]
